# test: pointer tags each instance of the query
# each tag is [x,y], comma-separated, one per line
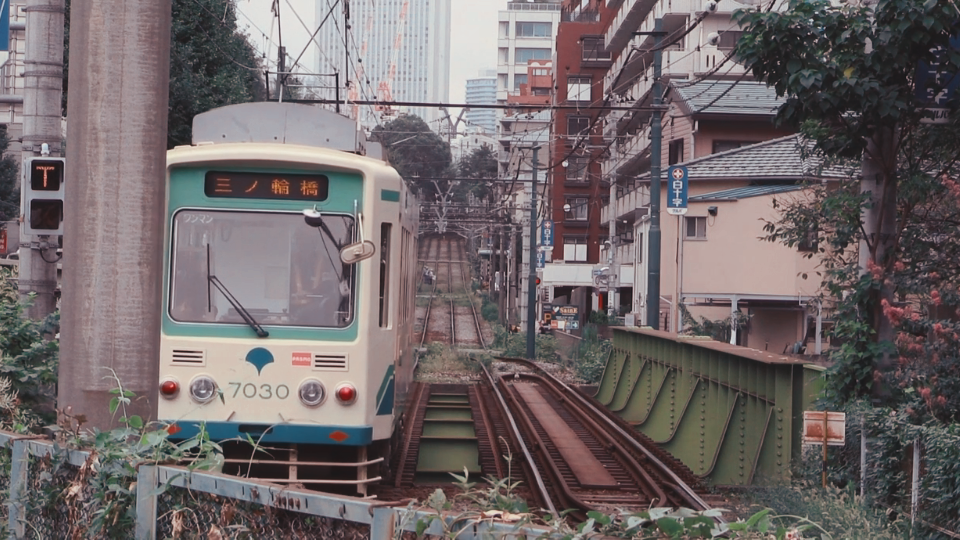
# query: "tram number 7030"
[263,391]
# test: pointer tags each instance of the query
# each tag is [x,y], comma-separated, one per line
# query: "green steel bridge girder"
[731,414]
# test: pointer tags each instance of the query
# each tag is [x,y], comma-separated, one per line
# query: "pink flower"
[874,269]
[895,314]
[935,297]
[951,186]
[899,266]
[941,401]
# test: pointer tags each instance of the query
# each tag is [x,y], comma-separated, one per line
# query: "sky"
[473,34]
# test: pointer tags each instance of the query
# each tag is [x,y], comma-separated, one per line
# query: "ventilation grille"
[330,362]
[189,357]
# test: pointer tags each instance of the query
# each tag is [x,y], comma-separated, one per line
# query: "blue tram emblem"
[259,357]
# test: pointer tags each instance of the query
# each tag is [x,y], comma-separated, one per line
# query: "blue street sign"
[4,25]
[935,86]
[541,259]
[677,194]
[546,233]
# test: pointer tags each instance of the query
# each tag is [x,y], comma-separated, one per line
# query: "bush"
[28,362]
[592,356]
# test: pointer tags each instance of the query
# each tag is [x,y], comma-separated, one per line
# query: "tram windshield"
[279,270]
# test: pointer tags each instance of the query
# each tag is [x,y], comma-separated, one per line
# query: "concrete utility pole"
[42,93]
[116,141]
[878,172]
[532,265]
[653,279]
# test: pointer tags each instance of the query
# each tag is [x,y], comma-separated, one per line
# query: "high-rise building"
[399,48]
[527,31]
[482,91]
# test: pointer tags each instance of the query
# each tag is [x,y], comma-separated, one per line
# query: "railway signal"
[43,196]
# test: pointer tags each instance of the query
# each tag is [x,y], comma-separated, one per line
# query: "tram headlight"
[203,388]
[312,392]
[169,388]
[346,393]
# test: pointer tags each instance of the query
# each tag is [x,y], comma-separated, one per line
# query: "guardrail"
[384,520]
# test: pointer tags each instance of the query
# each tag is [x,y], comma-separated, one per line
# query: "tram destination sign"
[250,185]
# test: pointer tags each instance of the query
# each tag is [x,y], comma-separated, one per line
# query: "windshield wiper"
[247,318]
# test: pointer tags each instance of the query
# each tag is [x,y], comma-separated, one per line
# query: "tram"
[287,328]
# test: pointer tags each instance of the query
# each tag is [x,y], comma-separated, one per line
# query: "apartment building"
[526,31]
[579,191]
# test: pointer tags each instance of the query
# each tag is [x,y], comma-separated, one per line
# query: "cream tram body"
[267,333]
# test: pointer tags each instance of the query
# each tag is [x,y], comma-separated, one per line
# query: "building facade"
[527,31]
[418,70]
[482,91]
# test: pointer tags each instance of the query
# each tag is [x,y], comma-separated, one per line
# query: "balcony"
[626,157]
[630,206]
[526,6]
[625,23]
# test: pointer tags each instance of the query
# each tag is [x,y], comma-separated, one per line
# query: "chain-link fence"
[53,492]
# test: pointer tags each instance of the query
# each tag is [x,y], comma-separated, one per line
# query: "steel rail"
[543,493]
[433,292]
[651,488]
[571,499]
[473,309]
[688,493]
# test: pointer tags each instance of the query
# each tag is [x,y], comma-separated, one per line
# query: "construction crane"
[353,93]
[385,88]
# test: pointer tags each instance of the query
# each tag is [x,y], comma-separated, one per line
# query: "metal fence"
[172,501]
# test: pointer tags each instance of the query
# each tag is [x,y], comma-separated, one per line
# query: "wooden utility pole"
[116,151]
[42,95]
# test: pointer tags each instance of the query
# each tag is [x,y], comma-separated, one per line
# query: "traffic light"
[43,196]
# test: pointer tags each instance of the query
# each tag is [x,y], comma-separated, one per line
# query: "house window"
[574,249]
[676,151]
[696,228]
[593,48]
[639,248]
[728,39]
[578,89]
[533,29]
[575,209]
[519,79]
[577,125]
[577,169]
[809,243]
[725,145]
[522,56]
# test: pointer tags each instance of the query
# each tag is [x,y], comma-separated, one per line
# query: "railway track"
[565,451]
[454,320]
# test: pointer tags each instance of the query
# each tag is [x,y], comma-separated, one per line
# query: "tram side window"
[385,231]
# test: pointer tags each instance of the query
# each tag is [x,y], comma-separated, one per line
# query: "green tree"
[480,163]
[849,75]
[212,64]
[9,180]
[419,155]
